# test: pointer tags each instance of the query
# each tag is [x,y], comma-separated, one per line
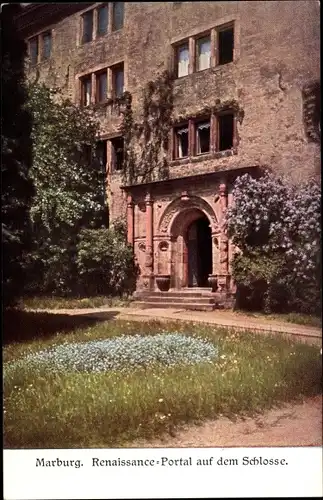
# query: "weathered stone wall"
[276,55]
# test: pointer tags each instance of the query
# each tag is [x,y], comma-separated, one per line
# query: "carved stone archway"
[172,228]
[183,203]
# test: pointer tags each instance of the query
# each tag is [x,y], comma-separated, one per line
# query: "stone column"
[149,262]
[130,220]
[223,278]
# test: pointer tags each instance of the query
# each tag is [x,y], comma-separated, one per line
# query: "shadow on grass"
[21,326]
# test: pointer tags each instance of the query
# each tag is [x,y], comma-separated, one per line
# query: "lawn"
[55,303]
[139,395]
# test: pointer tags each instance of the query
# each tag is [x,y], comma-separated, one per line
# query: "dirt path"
[292,425]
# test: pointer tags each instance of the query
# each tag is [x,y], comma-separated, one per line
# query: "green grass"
[253,372]
[295,318]
[55,303]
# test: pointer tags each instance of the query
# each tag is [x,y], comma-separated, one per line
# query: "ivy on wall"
[146,142]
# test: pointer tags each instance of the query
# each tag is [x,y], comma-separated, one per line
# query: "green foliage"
[276,226]
[151,133]
[17,188]
[70,187]
[105,262]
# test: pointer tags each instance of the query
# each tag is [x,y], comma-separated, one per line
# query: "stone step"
[179,299]
[173,305]
[181,293]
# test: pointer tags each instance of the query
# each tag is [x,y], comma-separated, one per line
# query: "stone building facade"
[242,94]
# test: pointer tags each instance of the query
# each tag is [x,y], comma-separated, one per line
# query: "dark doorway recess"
[199,247]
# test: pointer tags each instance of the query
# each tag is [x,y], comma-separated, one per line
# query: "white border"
[300,476]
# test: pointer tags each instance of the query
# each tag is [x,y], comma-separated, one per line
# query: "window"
[96,26]
[225,132]
[103,19]
[203,137]
[181,142]
[101,89]
[108,83]
[117,146]
[182,60]
[118,80]
[86,91]
[225,45]
[87,29]
[210,135]
[33,50]
[117,16]
[101,154]
[47,45]
[203,53]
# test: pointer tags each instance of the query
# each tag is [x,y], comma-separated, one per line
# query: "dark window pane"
[226,43]
[203,137]
[117,153]
[225,132]
[87,26]
[118,81]
[101,154]
[33,47]
[182,142]
[102,87]
[103,18]
[86,91]
[117,23]
[47,45]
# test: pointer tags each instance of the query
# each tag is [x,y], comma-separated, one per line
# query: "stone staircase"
[194,299]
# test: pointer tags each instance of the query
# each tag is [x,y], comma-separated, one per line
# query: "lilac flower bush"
[123,353]
[276,226]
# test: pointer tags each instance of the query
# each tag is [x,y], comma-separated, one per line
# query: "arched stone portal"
[192,232]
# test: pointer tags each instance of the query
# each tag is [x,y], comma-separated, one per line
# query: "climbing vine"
[146,142]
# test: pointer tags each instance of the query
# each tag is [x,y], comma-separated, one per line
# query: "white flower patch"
[124,353]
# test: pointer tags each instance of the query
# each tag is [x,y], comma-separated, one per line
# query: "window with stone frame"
[102,20]
[117,153]
[117,15]
[117,80]
[40,47]
[182,60]
[225,132]
[100,154]
[181,141]
[203,137]
[225,44]
[46,45]
[87,26]
[86,90]
[101,86]
[33,50]
[206,50]
[203,53]
[209,135]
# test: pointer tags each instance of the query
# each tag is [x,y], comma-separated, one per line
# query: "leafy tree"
[105,261]
[276,226]
[70,191]
[17,188]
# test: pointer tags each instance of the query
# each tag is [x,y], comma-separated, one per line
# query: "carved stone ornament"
[163,246]
[179,204]
[142,246]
